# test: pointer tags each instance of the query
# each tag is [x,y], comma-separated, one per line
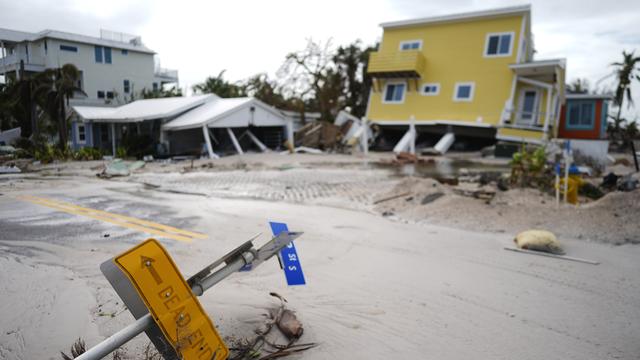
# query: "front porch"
[532,113]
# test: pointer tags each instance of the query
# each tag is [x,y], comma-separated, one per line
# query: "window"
[98,53]
[100,94]
[82,134]
[499,44]
[109,94]
[581,115]
[431,89]
[69,48]
[155,86]
[103,54]
[124,52]
[411,45]
[127,86]
[394,93]
[107,55]
[463,91]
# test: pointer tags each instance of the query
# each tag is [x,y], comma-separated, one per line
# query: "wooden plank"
[563,257]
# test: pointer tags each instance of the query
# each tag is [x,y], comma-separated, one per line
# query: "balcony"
[402,64]
[12,63]
[164,76]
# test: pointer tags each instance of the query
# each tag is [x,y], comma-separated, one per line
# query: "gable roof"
[141,110]
[217,110]
[474,15]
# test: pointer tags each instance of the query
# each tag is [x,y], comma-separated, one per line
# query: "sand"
[399,286]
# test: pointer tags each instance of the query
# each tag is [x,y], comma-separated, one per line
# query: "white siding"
[136,67]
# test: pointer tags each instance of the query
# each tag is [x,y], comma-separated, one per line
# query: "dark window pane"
[399,92]
[528,104]
[68,48]
[100,94]
[388,96]
[505,42]
[406,46]
[98,53]
[464,92]
[415,45]
[107,55]
[125,52]
[573,114]
[493,45]
[586,114]
[109,94]
[127,86]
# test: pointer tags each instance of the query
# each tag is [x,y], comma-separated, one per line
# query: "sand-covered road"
[376,288]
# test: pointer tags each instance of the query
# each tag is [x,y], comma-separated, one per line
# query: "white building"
[113,67]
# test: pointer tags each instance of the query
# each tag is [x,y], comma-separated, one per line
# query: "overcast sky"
[245,37]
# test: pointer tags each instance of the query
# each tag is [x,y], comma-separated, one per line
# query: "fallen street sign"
[289,257]
[167,296]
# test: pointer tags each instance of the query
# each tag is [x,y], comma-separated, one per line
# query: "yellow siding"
[520,133]
[453,52]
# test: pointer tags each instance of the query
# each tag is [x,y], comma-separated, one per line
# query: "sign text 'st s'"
[289,257]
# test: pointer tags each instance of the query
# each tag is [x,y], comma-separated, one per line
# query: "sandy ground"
[398,286]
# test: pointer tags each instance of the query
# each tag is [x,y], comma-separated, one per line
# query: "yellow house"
[470,73]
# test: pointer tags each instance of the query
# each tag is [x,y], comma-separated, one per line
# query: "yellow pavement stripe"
[111,220]
[130,219]
[76,210]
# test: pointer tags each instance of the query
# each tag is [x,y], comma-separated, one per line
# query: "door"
[528,109]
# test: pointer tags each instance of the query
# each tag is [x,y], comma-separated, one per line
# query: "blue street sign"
[289,257]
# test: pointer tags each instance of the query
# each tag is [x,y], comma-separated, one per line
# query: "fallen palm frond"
[78,348]
[288,324]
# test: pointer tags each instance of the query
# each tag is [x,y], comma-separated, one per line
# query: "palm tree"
[219,86]
[625,72]
[55,88]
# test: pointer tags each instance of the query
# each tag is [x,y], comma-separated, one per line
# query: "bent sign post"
[165,305]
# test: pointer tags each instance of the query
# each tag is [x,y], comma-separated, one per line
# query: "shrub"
[529,169]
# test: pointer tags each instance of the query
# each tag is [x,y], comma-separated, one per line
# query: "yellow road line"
[125,218]
[117,219]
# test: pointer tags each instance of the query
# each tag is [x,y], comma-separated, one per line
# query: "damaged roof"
[141,110]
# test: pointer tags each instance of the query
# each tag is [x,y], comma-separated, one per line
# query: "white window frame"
[499,34]
[404,93]
[437,92]
[471,93]
[78,124]
[419,41]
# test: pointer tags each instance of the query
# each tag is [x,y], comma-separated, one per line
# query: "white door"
[528,108]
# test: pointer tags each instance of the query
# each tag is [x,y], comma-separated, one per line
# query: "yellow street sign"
[170,301]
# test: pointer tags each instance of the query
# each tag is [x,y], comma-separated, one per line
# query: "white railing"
[120,37]
[14,59]
[526,119]
[166,73]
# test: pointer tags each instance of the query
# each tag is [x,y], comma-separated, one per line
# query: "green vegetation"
[529,169]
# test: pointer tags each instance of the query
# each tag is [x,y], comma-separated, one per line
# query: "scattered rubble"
[119,168]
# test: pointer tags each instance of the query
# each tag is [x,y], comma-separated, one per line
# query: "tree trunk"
[62,126]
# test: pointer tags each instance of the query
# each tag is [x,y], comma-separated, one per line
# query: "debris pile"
[118,167]
[318,135]
[264,345]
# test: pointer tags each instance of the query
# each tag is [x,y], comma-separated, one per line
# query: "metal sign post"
[176,324]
